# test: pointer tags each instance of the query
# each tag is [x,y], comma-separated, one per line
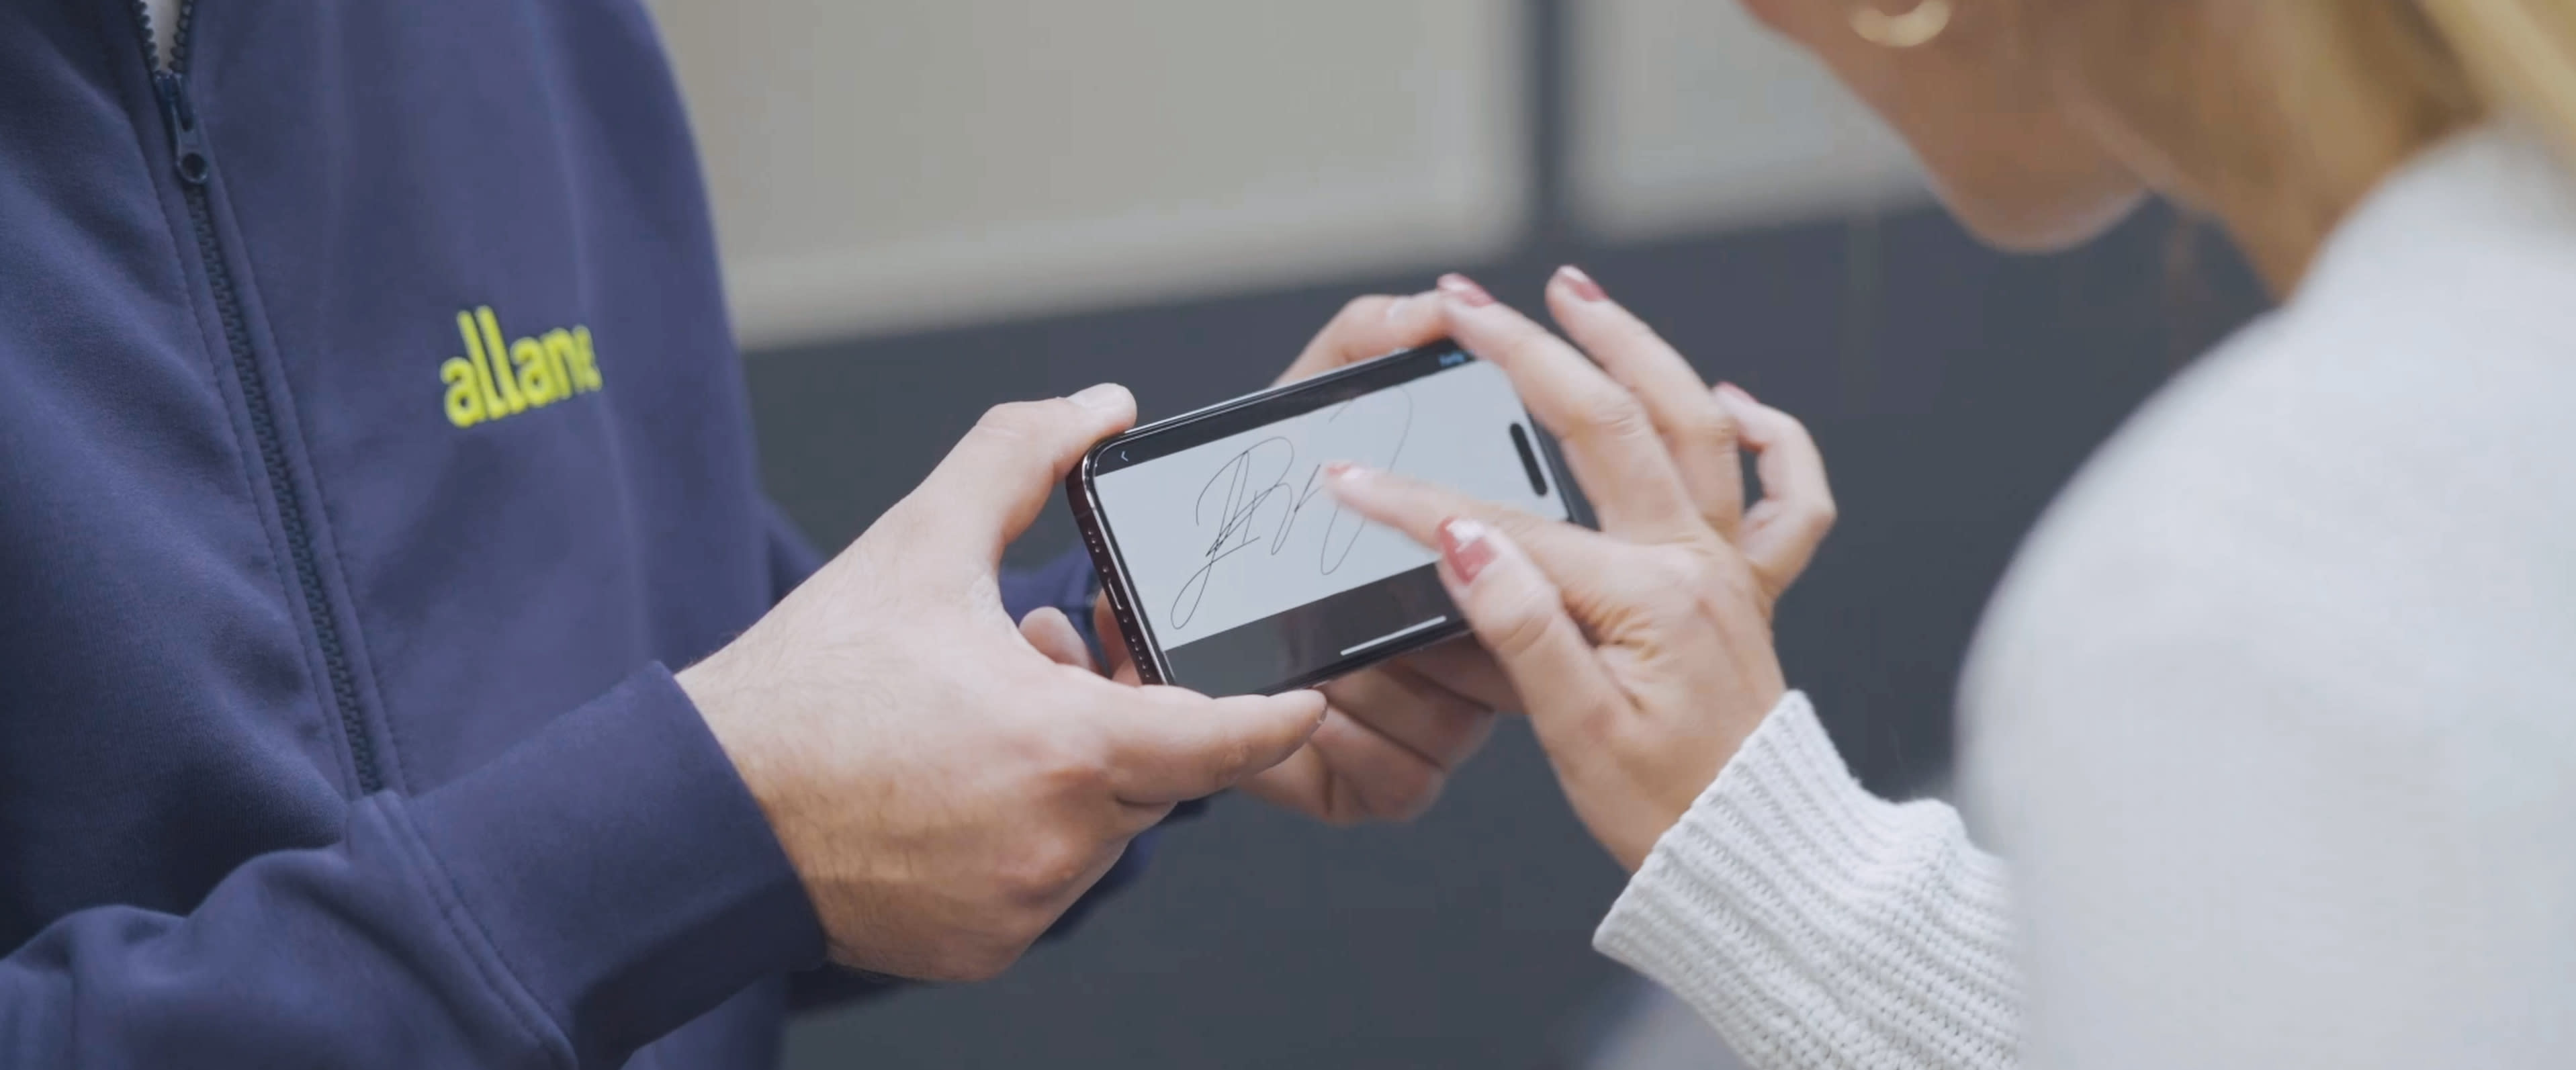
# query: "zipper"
[195,168]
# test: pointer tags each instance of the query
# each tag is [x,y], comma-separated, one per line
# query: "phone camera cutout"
[1529,461]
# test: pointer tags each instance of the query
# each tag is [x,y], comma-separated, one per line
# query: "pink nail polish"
[1465,290]
[1581,284]
[1463,543]
[1736,392]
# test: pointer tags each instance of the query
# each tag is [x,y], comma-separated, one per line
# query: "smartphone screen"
[1220,544]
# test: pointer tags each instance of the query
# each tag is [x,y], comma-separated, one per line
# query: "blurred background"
[929,206]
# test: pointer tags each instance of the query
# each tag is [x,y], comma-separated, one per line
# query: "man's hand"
[943,787]
[1393,732]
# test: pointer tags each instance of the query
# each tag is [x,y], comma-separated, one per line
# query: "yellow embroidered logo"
[483,385]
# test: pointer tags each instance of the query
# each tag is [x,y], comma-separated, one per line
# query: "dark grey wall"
[1953,391]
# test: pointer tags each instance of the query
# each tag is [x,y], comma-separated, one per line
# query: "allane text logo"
[494,381]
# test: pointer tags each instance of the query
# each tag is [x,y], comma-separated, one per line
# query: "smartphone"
[1233,572]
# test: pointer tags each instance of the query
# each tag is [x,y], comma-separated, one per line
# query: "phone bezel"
[1110,566]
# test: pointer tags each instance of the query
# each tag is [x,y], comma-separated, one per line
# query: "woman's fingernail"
[1104,397]
[1465,290]
[1581,284]
[1464,543]
[1736,392]
[1395,309]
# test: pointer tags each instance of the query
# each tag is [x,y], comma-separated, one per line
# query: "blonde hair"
[2289,111]
[2519,55]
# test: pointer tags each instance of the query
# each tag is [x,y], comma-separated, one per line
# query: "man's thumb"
[1169,745]
[995,480]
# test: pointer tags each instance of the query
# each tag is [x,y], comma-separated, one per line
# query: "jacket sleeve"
[593,888]
[1819,926]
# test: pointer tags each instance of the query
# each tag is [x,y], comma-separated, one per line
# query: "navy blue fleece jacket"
[372,442]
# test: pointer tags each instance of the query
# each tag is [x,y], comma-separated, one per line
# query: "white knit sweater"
[2276,715]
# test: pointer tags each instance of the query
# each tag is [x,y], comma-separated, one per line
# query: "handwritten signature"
[1257,478]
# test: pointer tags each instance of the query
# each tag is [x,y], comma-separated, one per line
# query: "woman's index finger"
[1608,438]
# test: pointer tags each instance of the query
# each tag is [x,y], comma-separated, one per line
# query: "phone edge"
[1108,568]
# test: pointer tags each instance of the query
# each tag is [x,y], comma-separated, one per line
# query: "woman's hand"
[1642,652]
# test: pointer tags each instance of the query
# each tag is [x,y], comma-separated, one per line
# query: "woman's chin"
[2022,225]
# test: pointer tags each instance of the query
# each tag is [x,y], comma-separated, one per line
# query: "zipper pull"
[187,143]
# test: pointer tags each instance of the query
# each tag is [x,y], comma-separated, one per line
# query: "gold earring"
[1912,29]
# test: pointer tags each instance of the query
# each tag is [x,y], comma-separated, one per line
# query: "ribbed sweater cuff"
[1816,925]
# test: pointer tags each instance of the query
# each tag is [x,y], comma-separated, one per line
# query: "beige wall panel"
[894,165]
[1690,117]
